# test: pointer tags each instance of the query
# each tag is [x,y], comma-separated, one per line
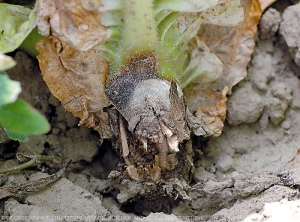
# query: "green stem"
[139,28]
[139,34]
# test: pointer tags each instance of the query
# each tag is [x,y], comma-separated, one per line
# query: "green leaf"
[204,66]
[16,136]
[16,24]
[20,118]
[176,29]
[9,89]
[184,5]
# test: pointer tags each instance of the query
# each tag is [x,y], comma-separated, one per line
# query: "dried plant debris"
[147,74]
[32,186]
[233,47]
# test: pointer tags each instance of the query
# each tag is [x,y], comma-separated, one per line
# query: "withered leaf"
[215,113]
[73,21]
[234,47]
[77,79]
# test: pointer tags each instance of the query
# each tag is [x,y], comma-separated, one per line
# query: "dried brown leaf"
[73,21]
[214,114]
[234,47]
[209,108]
[77,79]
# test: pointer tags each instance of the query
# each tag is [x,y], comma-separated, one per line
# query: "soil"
[249,173]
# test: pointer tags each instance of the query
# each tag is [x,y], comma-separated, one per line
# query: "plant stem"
[32,162]
[139,28]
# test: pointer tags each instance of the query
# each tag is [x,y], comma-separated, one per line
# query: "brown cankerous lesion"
[152,121]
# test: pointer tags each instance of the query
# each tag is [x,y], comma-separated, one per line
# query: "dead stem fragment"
[32,186]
